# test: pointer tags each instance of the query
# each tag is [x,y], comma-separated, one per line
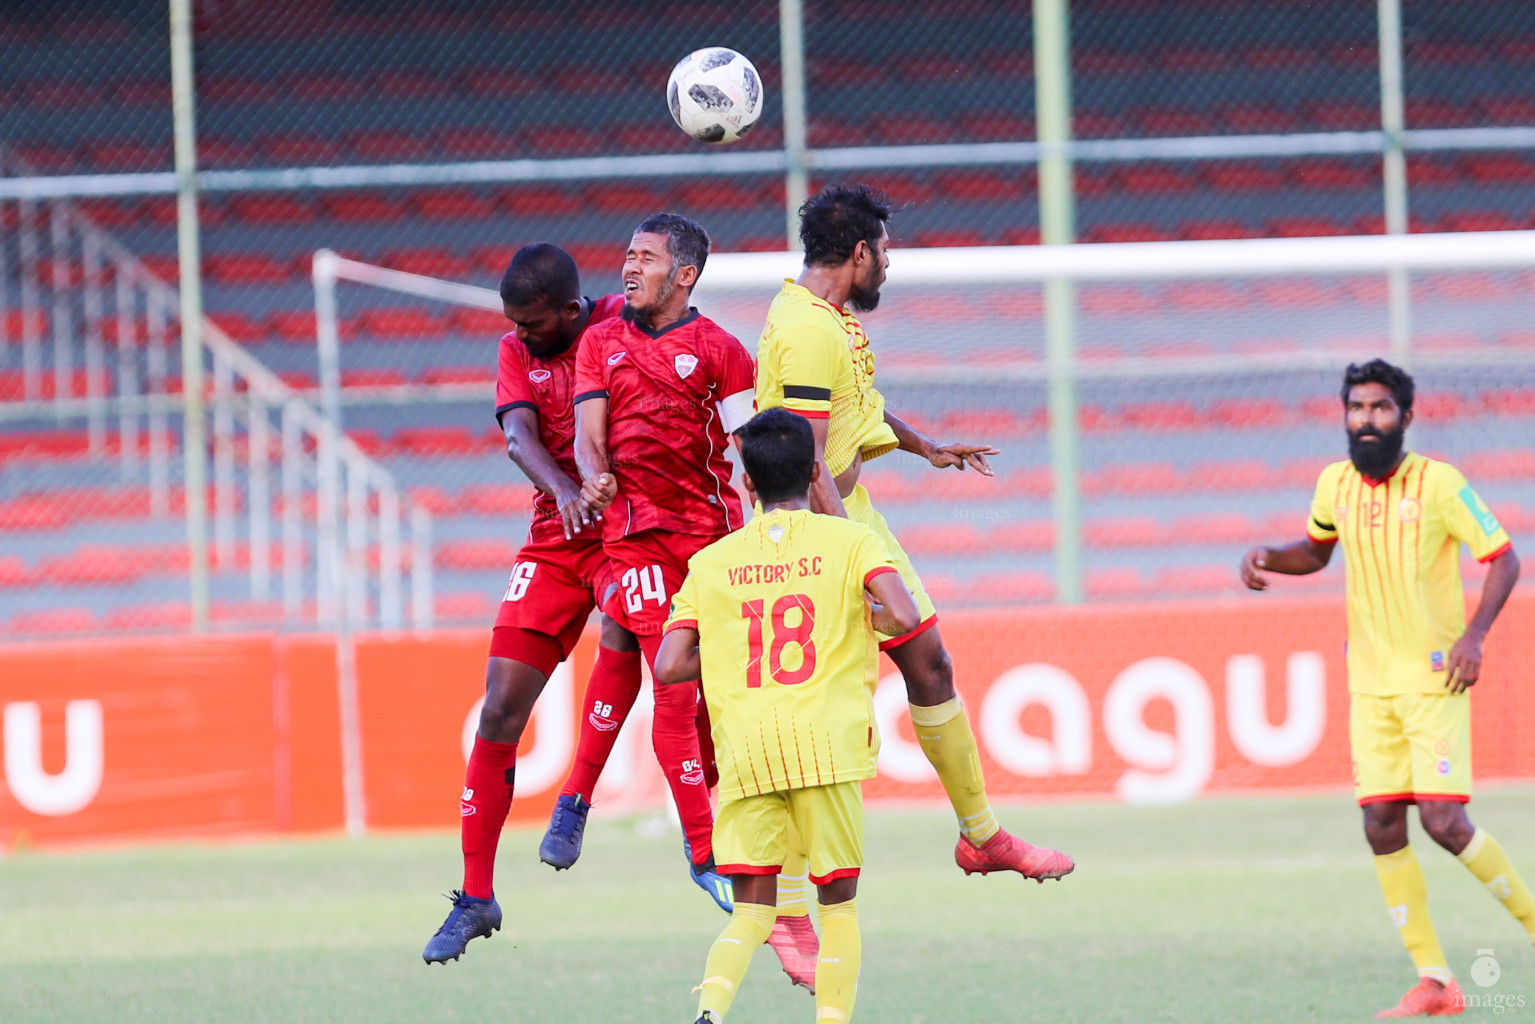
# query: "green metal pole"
[194,428]
[1057,226]
[1393,123]
[791,35]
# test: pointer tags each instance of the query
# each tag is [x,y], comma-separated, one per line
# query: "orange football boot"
[1428,998]
[1006,852]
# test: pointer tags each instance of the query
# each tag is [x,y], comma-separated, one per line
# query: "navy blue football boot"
[562,842]
[470,918]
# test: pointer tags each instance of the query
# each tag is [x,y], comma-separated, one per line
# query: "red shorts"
[649,568]
[553,588]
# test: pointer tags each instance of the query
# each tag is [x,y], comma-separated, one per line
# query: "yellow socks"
[794,884]
[1401,880]
[946,739]
[731,955]
[836,973]
[1485,859]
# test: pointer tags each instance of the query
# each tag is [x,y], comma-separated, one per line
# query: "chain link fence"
[1183,465]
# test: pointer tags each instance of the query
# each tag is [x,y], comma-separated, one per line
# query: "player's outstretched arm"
[597,484]
[1464,665]
[523,446]
[677,660]
[1299,559]
[958,454]
[895,612]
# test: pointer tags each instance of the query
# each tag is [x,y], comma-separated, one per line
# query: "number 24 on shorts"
[643,584]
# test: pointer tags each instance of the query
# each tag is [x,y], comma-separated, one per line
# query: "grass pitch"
[1229,910]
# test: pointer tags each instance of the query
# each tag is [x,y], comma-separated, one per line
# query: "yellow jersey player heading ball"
[1401,519]
[779,619]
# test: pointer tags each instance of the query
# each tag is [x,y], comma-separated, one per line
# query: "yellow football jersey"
[787,649]
[815,359]
[1401,542]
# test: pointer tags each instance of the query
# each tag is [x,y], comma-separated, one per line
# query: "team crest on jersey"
[539,376]
[615,357]
[776,533]
[1410,510]
[685,365]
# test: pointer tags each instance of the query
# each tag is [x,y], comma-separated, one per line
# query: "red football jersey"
[673,396]
[547,386]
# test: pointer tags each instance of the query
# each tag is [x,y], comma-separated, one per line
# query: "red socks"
[674,734]
[610,694]
[487,799]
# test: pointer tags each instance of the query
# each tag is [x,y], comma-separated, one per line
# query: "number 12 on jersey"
[783,635]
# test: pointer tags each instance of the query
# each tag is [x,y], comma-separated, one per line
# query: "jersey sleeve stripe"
[583,396]
[682,624]
[502,410]
[878,570]
[1507,546]
[811,414]
[807,394]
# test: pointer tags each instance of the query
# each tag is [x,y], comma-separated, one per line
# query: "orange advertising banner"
[184,737]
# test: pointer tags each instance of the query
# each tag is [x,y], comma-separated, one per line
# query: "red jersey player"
[657,392]
[559,573]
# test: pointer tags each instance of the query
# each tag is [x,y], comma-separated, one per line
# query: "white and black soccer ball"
[715,94]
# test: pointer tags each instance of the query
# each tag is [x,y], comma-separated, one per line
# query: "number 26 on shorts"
[522,577]
[643,584]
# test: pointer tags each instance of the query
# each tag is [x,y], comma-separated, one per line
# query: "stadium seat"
[1107,63]
[1295,292]
[296,326]
[246,613]
[1173,121]
[304,150]
[428,262]
[1439,406]
[1243,176]
[63,94]
[1195,579]
[478,554]
[1332,174]
[399,324]
[540,201]
[388,146]
[1112,583]
[111,214]
[479,322]
[437,441]
[1481,220]
[1470,287]
[434,500]
[361,207]
[52,622]
[452,205]
[14,572]
[219,89]
[1440,112]
[982,186]
[1241,476]
[1508,110]
[500,82]
[947,238]
[994,126]
[1432,170]
[1213,528]
[515,499]
[1131,232]
[464,607]
[1207,295]
[327,87]
[1124,532]
[1169,415]
[1305,227]
[1279,58]
[1206,230]
[724,195]
[1505,464]
[458,375]
[562,140]
[828,132]
[1133,478]
[907,129]
[261,208]
[14,324]
[1034,535]
[245,268]
[162,615]
[413,85]
[1509,402]
[625,198]
[31,513]
[944,539]
[1194,60]
[478,144]
[239,326]
[1010,587]
[1116,300]
[1259,119]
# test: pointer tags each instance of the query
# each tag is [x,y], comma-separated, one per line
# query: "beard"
[1375,459]
[645,315]
[863,300]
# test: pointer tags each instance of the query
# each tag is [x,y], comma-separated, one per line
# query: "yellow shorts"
[861,510]
[752,835]
[1410,746]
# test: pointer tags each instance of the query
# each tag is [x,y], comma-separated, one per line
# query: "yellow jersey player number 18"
[779,619]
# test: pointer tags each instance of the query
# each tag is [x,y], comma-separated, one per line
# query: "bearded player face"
[1377,429]
[869,267]
[650,279]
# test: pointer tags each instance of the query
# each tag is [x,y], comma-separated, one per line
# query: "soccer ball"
[715,94]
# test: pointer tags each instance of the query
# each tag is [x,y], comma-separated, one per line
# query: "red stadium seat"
[1207,230]
[246,613]
[75,384]
[1432,170]
[479,322]
[563,141]
[52,621]
[1035,535]
[1091,124]
[1207,295]
[1481,220]
[982,186]
[360,207]
[1295,293]
[635,200]
[1439,406]
[1134,478]
[220,89]
[296,326]
[1333,174]
[496,500]
[1169,415]
[1508,464]
[1117,300]
[598,257]
[110,213]
[723,195]
[1132,232]
[246,268]
[925,68]
[1194,61]
[1156,179]
[478,554]
[1305,227]
[477,144]
[403,323]
[388,146]
[1110,583]
[1010,62]
[1023,234]
[947,238]
[413,85]
[1214,528]
[458,375]
[911,129]
[466,607]
[452,205]
[1244,176]
[429,262]
[500,82]
[1440,113]
[994,126]
[903,188]
[226,153]
[1097,62]
[434,500]
[1010,587]
[1509,402]
[324,87]
[1174,121]
[302,149]
[826,132]
[271,209]
[14,572]
[1236,475]
[541,201]
[298,380]
[1279,58]
[28,514]
[127,155]
[1258,119]
[162,615]
[437,441]
[14,324]
[1195,579]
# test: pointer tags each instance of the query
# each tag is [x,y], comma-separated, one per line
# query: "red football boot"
[797,946]
[1006,852]
[1428,998]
